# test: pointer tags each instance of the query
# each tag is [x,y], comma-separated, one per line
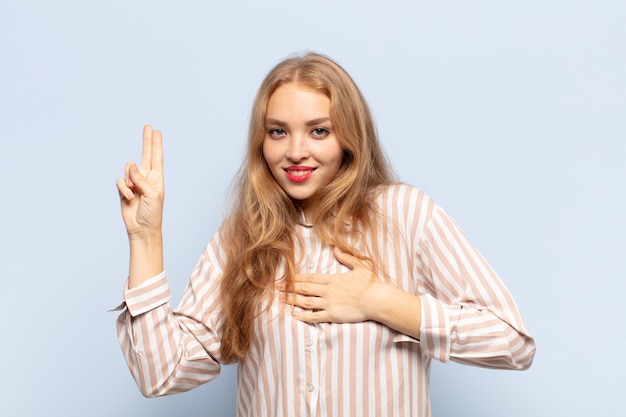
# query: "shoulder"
[402,199]
[407,207]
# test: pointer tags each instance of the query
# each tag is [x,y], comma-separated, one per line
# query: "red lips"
[299,173]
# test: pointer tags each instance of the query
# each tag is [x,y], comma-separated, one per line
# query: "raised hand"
[141,194]
[141,190]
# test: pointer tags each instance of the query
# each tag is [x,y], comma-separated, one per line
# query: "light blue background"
[510,114]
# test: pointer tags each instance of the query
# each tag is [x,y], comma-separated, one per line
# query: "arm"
[141,194]
[462,311]
[166,351]
[170,351]
[468,315]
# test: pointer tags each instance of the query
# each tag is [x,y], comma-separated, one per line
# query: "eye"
[276,133]
[319,132]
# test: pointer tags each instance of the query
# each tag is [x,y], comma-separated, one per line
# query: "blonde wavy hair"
[259,234]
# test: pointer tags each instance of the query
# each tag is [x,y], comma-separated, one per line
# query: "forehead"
[296,101]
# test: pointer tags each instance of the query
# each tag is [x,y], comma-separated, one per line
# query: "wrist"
[145,236]
[376,296]
[146,257]
[394,308]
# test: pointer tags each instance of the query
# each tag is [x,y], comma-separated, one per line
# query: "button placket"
[308,342]
[313,377]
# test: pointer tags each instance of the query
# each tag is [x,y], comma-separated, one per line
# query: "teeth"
[299,173]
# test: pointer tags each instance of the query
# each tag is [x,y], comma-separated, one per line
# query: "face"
[300,145]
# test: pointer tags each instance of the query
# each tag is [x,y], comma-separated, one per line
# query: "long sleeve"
[468,315]
[170,351]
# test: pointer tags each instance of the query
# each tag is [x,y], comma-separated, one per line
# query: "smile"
[299,174]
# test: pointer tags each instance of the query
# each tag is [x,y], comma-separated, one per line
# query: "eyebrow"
[310,123]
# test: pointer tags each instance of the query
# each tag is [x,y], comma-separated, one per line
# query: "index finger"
[157,151]
[152,152]
[351,261]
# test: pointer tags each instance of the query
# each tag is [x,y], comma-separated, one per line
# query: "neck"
[303,215]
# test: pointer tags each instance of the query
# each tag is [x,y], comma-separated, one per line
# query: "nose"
[297,148]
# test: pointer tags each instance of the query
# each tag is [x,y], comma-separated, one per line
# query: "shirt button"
[309,342]
[310,265]
[310,387]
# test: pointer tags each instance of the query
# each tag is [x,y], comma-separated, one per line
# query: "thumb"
[137,179]
[345,258]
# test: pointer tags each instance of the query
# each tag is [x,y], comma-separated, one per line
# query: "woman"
[331,285]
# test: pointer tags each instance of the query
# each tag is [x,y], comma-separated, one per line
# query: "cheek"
[335,155]
[269,152]
[328,150]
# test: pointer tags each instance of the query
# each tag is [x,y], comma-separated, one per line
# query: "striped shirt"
[330,369]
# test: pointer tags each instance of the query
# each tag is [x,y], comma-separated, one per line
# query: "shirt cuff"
[435,331]
[151,294]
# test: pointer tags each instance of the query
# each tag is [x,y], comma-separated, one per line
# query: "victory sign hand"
[141,190]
